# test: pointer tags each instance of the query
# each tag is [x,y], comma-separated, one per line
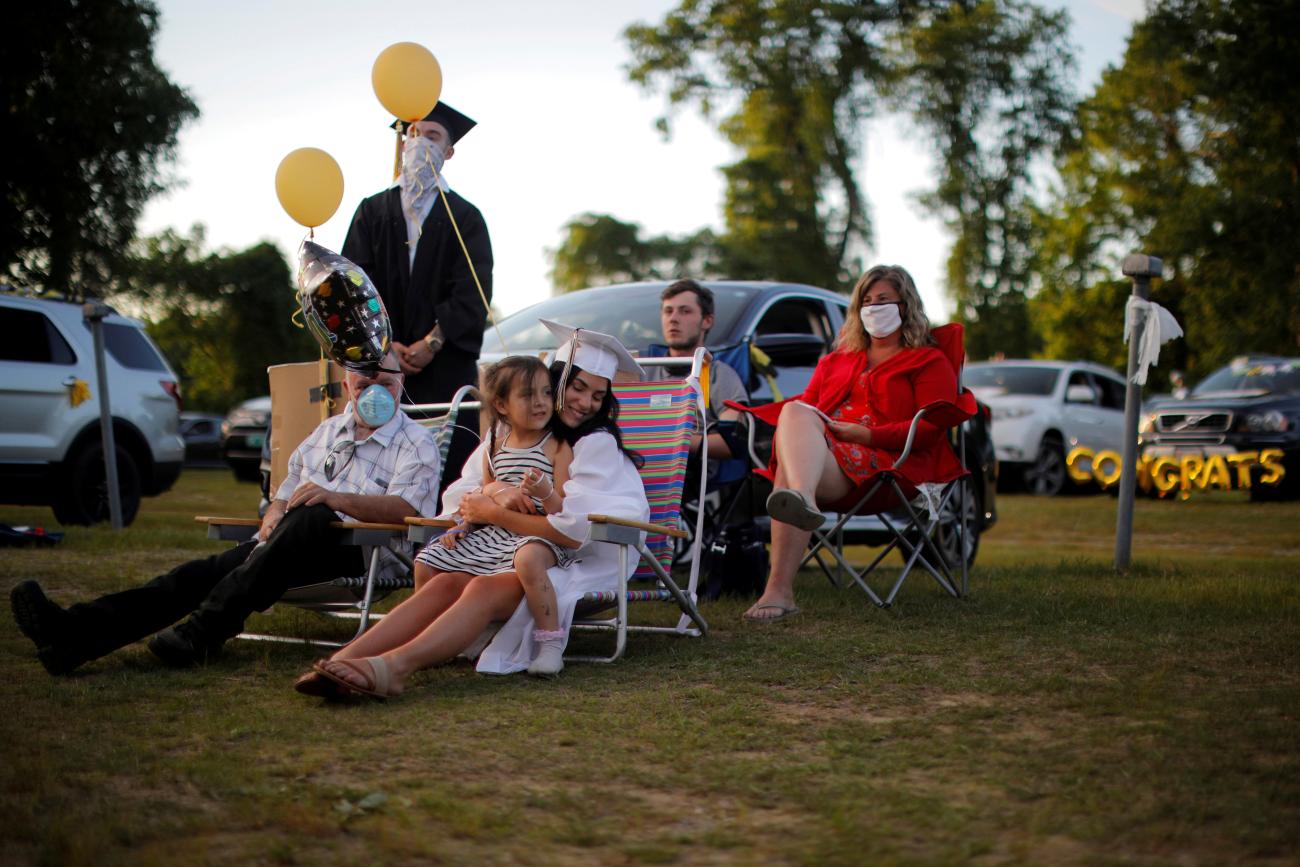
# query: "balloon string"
[295,318]
[473,273]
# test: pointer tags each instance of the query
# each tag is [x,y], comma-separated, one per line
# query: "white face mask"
[881,320]
[420,157]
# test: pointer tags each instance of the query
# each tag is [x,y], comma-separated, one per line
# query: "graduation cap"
[453,121]
[597,353]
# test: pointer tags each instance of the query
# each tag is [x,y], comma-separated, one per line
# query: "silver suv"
[50,449]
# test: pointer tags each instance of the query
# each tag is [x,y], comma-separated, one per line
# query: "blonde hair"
[916,327]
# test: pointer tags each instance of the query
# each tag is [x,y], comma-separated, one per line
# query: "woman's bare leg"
[531,562]
[485,598]
[822,481]
[409,619]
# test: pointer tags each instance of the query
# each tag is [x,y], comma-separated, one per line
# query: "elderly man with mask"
[405,241]
[369,463]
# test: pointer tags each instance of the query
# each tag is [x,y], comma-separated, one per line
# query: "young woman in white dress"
[452,609]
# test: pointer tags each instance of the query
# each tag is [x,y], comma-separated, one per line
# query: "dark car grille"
[1193,422]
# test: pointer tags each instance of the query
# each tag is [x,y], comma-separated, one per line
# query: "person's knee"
[532,561]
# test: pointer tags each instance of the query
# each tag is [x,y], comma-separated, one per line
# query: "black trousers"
[219,592]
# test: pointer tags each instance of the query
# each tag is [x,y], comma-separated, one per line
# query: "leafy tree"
[1189,150]
[221,318]
[599,248]
[986,82]
[89,123]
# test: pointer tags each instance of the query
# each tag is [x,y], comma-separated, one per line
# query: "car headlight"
[1005,413]
[1148,423]
[1267,422]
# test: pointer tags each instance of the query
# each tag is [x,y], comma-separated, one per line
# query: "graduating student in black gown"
[437,313]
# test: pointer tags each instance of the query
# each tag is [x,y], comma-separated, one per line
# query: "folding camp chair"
[912,524]
[656,420]
[354,597]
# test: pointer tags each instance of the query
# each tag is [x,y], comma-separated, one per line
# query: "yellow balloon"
[407,79]
[309,184]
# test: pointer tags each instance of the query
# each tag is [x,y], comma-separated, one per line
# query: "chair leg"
[370,592]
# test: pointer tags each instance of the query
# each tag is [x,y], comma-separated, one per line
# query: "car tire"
[1047,475]
[83,498]
[947,536]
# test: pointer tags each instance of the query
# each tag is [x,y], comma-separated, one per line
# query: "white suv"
[1043,409]
[50,450]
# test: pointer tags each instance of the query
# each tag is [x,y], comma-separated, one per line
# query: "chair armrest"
[367,525]
[230,522]
[911,435]
[430,522]
[639,525]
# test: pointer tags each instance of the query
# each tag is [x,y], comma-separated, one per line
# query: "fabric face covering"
[421,167]
[881,320]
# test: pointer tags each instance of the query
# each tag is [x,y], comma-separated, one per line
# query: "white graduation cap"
[598,354]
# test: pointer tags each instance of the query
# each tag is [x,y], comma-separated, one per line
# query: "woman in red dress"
[852,420]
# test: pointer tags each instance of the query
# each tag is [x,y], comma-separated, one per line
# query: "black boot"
[184,645]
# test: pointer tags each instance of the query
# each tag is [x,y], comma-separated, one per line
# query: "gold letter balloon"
[407,79]
[309,184]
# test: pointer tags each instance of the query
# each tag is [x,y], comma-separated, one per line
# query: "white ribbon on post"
[1161,327]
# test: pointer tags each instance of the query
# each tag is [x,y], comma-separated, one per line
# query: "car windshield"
[1276,375]
[1008,379]
[630,313]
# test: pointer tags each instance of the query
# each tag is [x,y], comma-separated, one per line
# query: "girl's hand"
[849,432]
[536,484]
[452,536]
[479,509]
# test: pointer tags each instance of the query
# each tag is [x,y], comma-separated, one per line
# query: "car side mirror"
[1080,394]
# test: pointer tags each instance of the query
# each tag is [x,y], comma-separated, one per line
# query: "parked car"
[51,451]
[202,434]
[242,435]
[1251,404]
[1042,410]
[793,324]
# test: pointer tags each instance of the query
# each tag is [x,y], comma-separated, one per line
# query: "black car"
[242,435]
[792,324]
[202,434]
[1250,405]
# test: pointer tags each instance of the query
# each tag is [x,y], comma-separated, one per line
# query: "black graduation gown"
[437,289]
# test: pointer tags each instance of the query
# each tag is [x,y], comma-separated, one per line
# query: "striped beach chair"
[657,421]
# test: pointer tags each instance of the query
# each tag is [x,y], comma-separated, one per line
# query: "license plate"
[256,440]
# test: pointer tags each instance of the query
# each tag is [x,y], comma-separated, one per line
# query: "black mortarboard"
[455,123]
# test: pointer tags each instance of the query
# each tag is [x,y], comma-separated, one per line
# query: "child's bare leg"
[532,559]
[423,572]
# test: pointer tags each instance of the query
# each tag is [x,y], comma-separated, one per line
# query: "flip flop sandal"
[315,684]
[375,681]
[790,507]
[784,613]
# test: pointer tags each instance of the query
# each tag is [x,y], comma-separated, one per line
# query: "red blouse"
[888,395]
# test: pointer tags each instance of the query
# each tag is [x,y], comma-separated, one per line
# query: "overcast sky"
[561,130]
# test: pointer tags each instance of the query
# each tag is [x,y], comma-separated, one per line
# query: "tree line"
[1188,148]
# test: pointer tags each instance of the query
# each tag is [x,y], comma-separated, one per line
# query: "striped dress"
[490,550]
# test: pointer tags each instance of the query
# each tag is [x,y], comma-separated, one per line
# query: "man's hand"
[418,355]
[274,515]
[850,432]
[401,350]
[310,494]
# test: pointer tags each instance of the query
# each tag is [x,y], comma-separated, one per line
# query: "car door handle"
[69,382]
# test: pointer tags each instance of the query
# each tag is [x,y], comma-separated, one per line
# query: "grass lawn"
[1061,714]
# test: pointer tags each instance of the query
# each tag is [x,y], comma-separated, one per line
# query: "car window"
[130,348]
[1281,376]
[1112,391]
[797,316]
[630,313]
[1032,381]
[1080,377]
[31,336]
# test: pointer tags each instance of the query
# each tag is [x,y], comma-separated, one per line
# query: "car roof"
[1043,362]
[65,310]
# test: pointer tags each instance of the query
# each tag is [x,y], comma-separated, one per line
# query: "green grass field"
[1060,715]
